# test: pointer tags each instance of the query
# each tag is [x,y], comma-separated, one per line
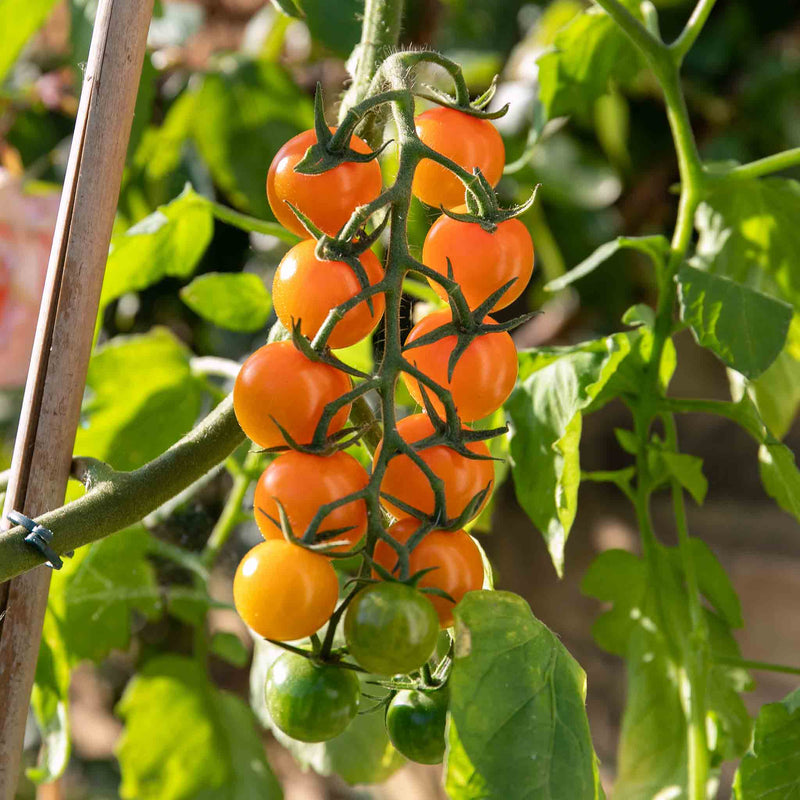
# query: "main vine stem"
[665,61]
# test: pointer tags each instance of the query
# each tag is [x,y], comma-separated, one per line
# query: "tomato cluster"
[312,503]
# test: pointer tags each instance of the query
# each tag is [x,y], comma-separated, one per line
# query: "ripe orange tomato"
[463,477]
[327,199]
[467,140]
[484,375]
[283,591]
[482,262]
[457,562]
[302,483]
[305,289]
[279,381]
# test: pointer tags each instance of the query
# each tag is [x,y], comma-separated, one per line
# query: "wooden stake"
[52,401]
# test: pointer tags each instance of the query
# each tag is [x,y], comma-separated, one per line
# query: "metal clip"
[39,537]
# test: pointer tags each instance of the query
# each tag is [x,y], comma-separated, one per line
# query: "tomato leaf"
[688,471]
[167,243]
[656,247]
[774,760]
[529,732]
[235,301]
[132,381]
[590,54]
[648,625]
[94,596]
[557,384]
[780,477]
[744,328]
[229,647]
[184,738]
[362,754]
[748,233]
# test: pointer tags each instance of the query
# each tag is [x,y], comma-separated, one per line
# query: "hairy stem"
[124,498]
[681,46]
[765,166]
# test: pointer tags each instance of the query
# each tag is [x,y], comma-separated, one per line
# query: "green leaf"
[362,754]
[546,425]
[527,737]
[229,647]
[771,771]
[780,477]
[19,20]
[235,301]
[49,703]
[688,471]
[744,328]
[136,381]
[185,739]
[640,314]
[94,597]
[288,7]
[648,624]
[589,56]
[169,242]
[243,115]
[655,247]
[749,233]
[776,393]
[628,440]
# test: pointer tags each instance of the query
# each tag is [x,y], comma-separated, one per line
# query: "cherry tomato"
[327,199]
[484,375]
[311,702]
[283,591]
[463,477]
[279,381]
[467,140]
[305,289]
[455,559]
[482,262]
[302,483]
[391,628]
[415,722]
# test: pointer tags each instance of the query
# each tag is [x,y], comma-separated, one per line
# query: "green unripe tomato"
[415,724]
[391,628]
[311,702]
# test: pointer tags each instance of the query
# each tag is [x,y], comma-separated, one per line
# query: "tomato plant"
[327,199]
[283,591]
[306,290]
[311,702]
[302,484]
[306,388]
[483,376]
[415,721]
[471,143]
[391,628]
[482,261]
[374,452]
[452,556]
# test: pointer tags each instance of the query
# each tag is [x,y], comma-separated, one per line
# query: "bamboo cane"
[51,405]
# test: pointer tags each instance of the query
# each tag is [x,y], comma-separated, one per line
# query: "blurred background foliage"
[225,83]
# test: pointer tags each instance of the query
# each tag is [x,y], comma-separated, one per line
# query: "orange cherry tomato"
[306,289]
[483,377]
[302,483]
[463,477]
[455,559]
[482,262]
[327,199]
[467,140]
[279,381]
[283,591]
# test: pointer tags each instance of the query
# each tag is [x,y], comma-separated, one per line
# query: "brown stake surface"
[51,406]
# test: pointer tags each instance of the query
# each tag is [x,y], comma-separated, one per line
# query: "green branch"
[681,46]
[120,499]
[765,166]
